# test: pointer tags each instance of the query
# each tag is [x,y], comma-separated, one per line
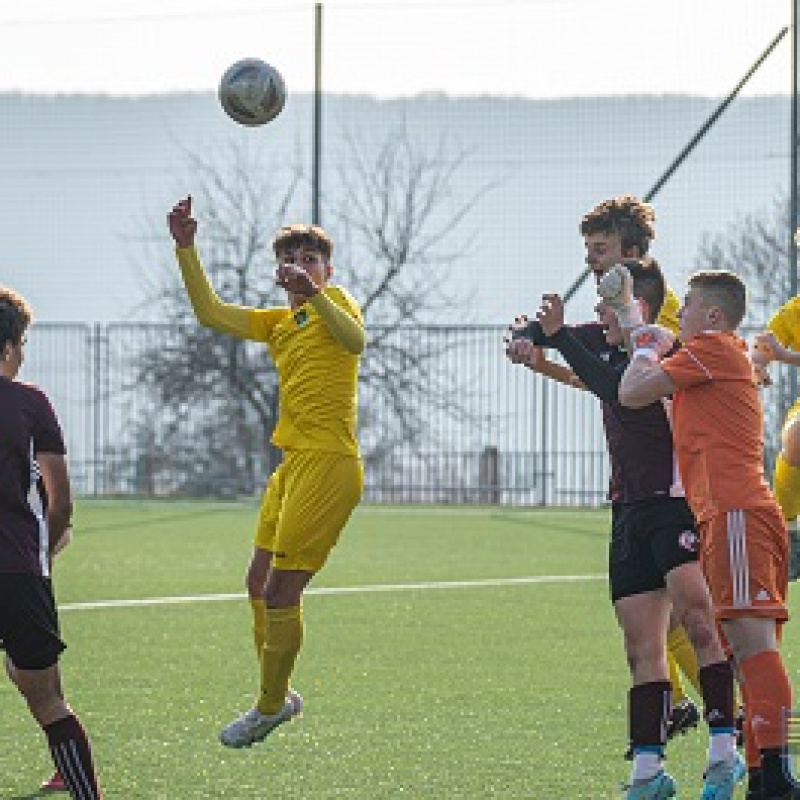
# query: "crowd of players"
[701,550]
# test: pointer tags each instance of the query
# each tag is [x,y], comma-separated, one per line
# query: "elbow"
[358,344]
[61,509]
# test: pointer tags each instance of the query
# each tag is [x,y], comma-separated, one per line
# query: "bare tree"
[401,223]
[755,247]
[396,219]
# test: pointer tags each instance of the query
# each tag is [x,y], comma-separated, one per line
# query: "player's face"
[603,250]
[13,356]
[694,316]
[310,260]
[611,327]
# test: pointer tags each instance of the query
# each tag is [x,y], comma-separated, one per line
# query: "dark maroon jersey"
[28,426]
[639,440]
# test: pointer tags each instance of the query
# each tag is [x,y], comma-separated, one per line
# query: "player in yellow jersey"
[781,342]
[619,228]
[315,343]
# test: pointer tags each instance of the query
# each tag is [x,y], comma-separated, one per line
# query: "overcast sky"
[538,48]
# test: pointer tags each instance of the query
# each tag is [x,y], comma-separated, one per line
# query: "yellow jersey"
[668,316]
[317,376]
[785,324]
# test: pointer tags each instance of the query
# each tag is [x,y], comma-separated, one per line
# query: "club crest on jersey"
[688,541]
[301,318]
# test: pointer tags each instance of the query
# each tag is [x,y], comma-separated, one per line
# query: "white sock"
[646,764]
[721,745]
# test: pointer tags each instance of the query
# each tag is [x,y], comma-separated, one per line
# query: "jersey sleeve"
[690,365]
[46,430]
[209,309]
[785,324]
[346,302]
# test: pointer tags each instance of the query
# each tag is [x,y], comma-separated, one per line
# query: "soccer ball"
[252,92]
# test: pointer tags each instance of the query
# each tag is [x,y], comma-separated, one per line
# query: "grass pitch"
[449,653]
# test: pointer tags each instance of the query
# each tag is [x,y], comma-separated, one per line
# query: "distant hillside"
[81,174]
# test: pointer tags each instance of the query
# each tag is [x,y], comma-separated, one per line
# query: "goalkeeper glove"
[651,341]
[616,290]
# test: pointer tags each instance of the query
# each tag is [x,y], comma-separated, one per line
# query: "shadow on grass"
[567,524]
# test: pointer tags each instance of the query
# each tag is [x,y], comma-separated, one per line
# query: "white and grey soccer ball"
[252,92]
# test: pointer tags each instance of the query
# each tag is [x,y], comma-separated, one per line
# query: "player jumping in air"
[315,342]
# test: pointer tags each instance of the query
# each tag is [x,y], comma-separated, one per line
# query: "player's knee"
[699,626]
[643,652]
[45,701]
[254,584]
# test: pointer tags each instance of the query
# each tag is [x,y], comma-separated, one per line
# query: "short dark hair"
[626,215]
[297,235]
[648,283]
[724,289]
[15,316]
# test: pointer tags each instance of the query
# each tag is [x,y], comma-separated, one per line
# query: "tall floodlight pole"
[695,141]
[317,144]
[794,183]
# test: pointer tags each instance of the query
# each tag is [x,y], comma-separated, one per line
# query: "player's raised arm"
[208,308]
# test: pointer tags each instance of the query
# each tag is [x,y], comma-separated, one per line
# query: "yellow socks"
[259,624]
[678,692]
[786,480]
[680,649]
[282,643]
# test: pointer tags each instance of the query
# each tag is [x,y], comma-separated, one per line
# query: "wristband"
[648,353]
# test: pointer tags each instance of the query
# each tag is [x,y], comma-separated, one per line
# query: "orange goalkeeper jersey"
[717,421]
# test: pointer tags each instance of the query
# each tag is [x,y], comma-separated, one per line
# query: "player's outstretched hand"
[551,314]
[521,351]
[655,341]
[182,225]
[764,350]
[616,286]
[616,291]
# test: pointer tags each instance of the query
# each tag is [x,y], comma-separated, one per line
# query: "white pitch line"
[338,590]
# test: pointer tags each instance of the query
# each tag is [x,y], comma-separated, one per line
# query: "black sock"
[72,755]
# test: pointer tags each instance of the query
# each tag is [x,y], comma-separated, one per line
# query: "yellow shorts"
[305,506]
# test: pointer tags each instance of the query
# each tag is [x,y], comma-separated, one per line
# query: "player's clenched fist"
[182,225]
[652,341]
[522,351]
